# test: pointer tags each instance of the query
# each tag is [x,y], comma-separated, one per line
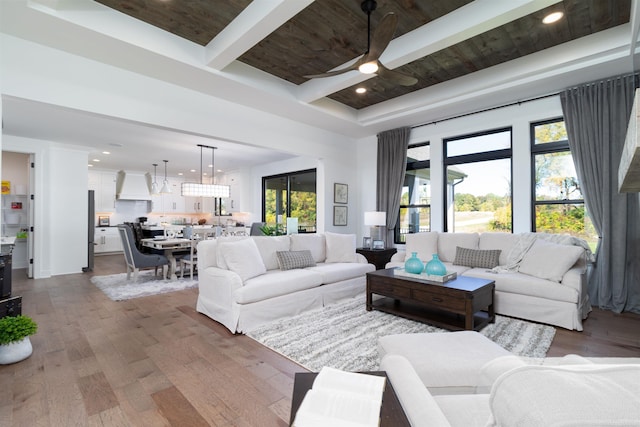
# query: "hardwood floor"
[155,361]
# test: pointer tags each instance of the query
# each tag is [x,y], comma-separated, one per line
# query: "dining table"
[169,245]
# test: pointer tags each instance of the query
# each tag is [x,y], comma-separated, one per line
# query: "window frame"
[288,176]
[417,165]
[482,156]
[546,148]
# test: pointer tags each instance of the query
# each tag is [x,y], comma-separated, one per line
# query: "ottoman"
[448,362]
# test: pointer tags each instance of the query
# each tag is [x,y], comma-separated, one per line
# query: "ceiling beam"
[468,21]
[253,24]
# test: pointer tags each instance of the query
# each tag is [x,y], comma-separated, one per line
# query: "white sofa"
[581,394]
[464,379]
[245,282]
[539,277]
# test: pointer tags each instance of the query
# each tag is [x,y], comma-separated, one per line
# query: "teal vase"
[413,264]
[435,267]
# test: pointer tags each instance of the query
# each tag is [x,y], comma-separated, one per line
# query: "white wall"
[518,117]
[60,205]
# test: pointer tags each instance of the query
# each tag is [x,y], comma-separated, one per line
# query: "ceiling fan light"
[368,67]
[552,17]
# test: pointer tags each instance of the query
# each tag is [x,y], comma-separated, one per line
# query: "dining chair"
[191,258]
[135,259]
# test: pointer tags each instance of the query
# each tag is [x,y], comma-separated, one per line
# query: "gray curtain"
[596,117]
[392,163]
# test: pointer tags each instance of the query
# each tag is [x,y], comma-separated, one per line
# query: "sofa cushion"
[340,247]
[548,260]
[275,283]
[465,410]
[523,284]
[268,246]
[424,244]
[312,242]
[332,272]
[214,246]
[288,260]
[487,258]
[578,395]
[446,362]
[497,240]
[242,257]
[447,243]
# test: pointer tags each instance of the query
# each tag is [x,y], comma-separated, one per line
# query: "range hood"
[133,186]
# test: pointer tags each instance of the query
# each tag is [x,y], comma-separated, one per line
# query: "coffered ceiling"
[466,55]
[329,33]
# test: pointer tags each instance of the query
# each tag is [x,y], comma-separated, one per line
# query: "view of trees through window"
[291,195]
[478,182]
[558,202]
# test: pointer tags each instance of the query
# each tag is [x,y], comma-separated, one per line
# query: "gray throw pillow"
[482,258]
[288,260]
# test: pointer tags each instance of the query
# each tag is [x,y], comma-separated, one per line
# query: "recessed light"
[90,165]
[192,170]
[96,160]
[552,17]
[180,173]
[361,90]
[106,152]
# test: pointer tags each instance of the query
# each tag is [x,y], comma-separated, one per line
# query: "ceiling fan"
[368,62]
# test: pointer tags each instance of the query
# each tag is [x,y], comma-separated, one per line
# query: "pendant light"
[194,189]
[165,184]
[154,185]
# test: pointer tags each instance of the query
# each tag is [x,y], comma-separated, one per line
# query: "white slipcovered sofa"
[539,277]
[245,282]
[464,379]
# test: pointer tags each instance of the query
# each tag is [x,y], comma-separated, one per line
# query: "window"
[558,205]
[478,182]
[291,195]
[415,199]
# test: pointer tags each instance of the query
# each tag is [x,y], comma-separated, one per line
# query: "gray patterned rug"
[345,336]
[118,288]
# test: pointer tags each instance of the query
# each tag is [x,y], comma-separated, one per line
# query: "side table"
[377,257]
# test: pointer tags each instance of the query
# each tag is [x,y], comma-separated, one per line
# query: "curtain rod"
[486,109]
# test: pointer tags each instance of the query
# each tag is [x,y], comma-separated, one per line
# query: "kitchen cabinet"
[103,183]
[169,203]
[107,239]
[233,203]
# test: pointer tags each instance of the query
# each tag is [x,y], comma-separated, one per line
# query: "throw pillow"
[243,258]
[340,247]
[482,258]
[288,260]
[548,260]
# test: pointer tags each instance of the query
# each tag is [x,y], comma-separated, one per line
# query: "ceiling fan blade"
[382,36]
[395,76]
[352,67]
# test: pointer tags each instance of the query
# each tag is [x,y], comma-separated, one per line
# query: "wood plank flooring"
[155,361]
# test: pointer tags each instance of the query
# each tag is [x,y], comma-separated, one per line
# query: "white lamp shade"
[165,188]
[375,218]
[192,189]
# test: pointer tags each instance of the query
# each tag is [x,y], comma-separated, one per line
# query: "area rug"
[345,336]
[117,288]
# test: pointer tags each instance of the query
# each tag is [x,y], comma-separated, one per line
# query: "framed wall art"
[339,215]
[340,193]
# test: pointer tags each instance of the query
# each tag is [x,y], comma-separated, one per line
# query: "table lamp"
[376,220]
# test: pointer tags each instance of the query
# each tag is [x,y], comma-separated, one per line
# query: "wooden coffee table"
[463,303]
[391,412]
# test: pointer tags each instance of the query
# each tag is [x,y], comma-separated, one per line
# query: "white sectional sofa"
[245,282]
[539,277]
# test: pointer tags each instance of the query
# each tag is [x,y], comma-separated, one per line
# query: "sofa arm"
[219,285]
[398,256]
[418,404]
[361,259]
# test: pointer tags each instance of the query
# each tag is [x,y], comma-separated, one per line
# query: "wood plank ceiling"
[329,33]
